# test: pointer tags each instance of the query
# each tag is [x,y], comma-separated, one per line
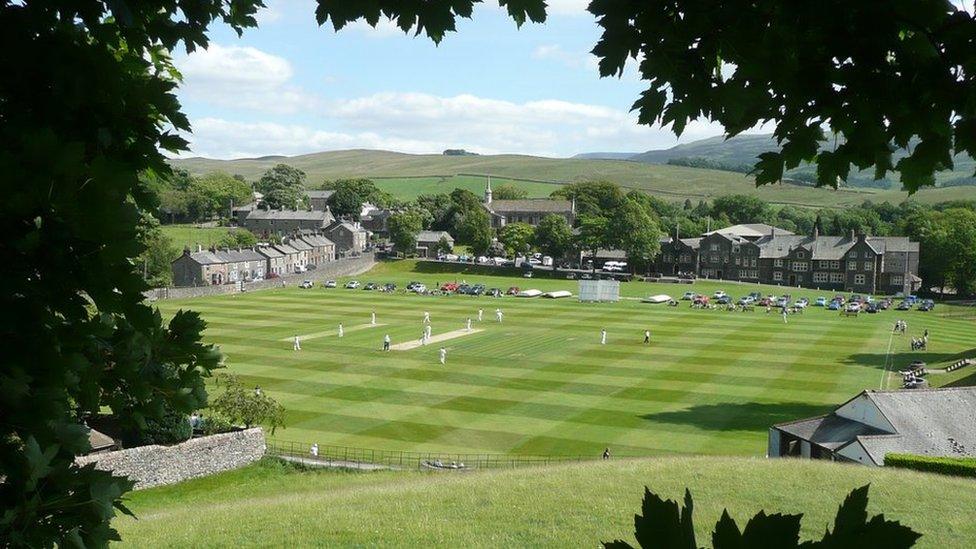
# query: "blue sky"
[292,87]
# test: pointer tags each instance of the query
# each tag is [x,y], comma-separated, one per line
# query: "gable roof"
[269,252]
[317,240]
[285,249]
[530,205]
[236,256]
[433,236]
[750,230]
[298,244]
[299,215]
[346,225]
[324,195]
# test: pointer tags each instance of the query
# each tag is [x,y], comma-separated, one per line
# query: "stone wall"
[349,266]
[157,465]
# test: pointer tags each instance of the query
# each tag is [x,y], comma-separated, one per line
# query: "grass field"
[669,182]
[409,188]
[711,382]
[561,506]
[191,235]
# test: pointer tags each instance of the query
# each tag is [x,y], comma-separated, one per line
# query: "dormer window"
[801,255]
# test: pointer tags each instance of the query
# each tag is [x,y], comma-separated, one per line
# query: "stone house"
[275,261]
[295,261]
[319,200]
[265,223]
[322,249]
[528,210]
[349,237]
[214,267]
[427,242]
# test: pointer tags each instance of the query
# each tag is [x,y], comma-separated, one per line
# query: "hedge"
[960,467]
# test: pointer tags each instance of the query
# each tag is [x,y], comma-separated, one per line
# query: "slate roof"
[300,215]
[298,244]
[99,441]
[324,195]
[829,247]
[206,257]
[269,252]
[285,249]
[348,225]
[932,422]
[530,205]
[694,243]
[750,230]
[317,240]
[433,236]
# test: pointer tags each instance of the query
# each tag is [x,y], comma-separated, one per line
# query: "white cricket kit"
[498,315]
[298,346]
[340,330]
[480,313]
[426,316]
[372,318]
[443,355]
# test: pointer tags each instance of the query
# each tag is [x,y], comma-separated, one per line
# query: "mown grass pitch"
[710,382]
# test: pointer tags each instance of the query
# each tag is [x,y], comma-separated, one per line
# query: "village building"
[375,220]
[526,210]
[924,422]
[319,200]
[212,267]
[428,241]
[349,237]
[769,255]
[295,260]
[275,261]
[266,223]
[322,249]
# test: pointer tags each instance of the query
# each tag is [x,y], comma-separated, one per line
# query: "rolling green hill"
[400,173]
[561,506]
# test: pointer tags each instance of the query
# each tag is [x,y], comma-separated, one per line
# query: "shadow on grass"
[743,416]
[901,360]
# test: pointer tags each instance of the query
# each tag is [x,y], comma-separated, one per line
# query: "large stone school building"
[770,255]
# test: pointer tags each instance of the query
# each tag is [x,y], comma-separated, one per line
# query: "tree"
[245,406]
[158,254]
[444,246]
[508,191]
[599,198]
[87,106]
[239,238]
[593,234]
[663,524]
[516,237]
[218,192]
[475,231]
[439,206]
[403,228]
[351,194]
[283,187]
[553,236]
[639,235]
[741,208]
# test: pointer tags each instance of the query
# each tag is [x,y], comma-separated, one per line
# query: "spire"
[488,191]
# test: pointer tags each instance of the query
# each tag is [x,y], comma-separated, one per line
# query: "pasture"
[540,382]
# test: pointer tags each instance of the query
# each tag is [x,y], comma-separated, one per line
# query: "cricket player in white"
[341,333]
[443,355]
[298,345]
[498,315]
[468,326]
[426,317]
[427,332]
[386,342]
[603,336]
[372,318]
[480,313]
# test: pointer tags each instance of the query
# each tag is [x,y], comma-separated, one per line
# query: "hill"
[271,504]
[400,173]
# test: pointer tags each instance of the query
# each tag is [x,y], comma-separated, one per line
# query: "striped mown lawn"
[710,382]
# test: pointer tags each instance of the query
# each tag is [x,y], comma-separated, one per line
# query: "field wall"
[157,465]
[340,267]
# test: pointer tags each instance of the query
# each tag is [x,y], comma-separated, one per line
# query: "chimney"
[199,247]
[772,232]
[852,235]
[816,231]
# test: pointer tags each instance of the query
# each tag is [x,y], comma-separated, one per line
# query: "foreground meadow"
[540,382]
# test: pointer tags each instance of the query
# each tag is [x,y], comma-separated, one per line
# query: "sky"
[291,87]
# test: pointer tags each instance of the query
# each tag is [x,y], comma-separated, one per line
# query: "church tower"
[488,191]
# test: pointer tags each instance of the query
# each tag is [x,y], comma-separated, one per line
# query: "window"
[713,247]
[667,258]
[835,265]
[853,255]
[749,274]
[777,275]
[868,265]
[738,261]
[714,258]
[858,279]
[837,278]
[685,258]
[820,277]
[754,262]
[777,263]
[852,265]
[801,266]
[897,279]
[801,255]
[735,248]
[823,264]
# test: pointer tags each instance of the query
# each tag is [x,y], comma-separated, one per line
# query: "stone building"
[349,237]
[265,223]
[761,253]
[319,200]
[527,210]
[211,267]
[322,250]
[427,242]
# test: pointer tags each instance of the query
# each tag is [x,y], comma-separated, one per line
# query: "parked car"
[305,284]
[389,287]
[840,298]
[884,304]
[419,288]
[766,302]
[514,290]
[820,302]
[853,307]
[477,289]
[782,301]
[352,284]
[835,305]
[570,276]
[494,292]
[688,296]
[700,300]
[724,300]
[801,303]
[926,305]
[747,300]
[756,296]
[449,287]
[370,286]
[719,294]
[586,276]
[329,284]
[412,285]
[904,306]
[872,308]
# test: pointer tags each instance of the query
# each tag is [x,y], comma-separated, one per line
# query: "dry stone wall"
[157,465]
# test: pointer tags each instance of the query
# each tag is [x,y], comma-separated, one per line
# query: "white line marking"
[413,344]
[884,373]
[328,333]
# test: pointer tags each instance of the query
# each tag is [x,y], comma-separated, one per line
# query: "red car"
[513,290]
[449,287]
[700,300]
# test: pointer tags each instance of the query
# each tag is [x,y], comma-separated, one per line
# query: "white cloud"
[567,7]
[242,78]
[424,123]
[384,28]
[555,52]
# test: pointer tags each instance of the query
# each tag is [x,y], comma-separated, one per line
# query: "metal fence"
[344,456]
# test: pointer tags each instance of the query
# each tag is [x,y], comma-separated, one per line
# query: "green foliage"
[960,467]
[475,230]
[741,208]
[516,237]
[600,198]
[350,194]
[87,105]
[444,246]
[172,428]
[636,232]
[182,197]
[403,228]
[663,524]
[283,187]
[594,233]
[710,164]
[507,191]
[245,406]
[237,239]
[155,260]
[553,236]
[439,207]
